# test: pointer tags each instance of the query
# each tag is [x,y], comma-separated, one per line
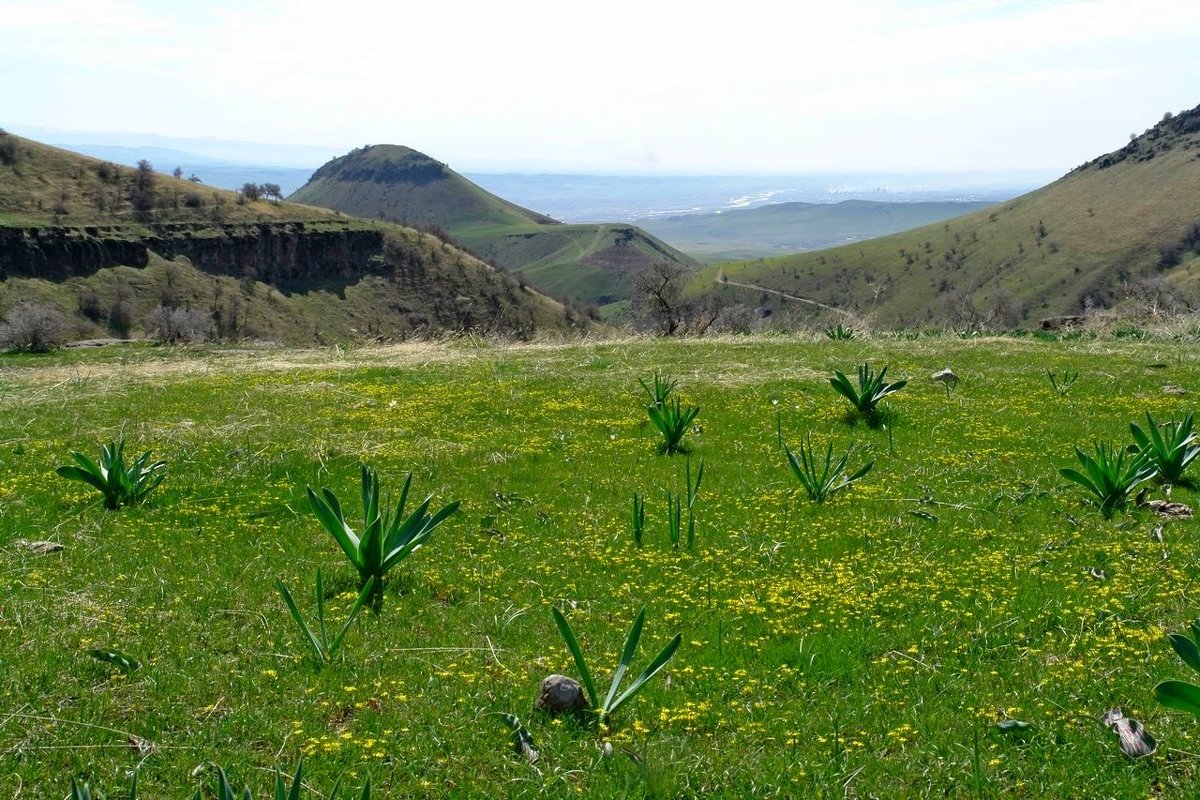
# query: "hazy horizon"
[289,155]
[924,86]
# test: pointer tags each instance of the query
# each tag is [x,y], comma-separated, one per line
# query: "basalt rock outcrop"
[282,254]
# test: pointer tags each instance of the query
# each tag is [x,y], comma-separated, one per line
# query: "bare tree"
[658,297]
[250,192]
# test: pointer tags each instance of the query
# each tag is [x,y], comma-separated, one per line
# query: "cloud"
[760,82]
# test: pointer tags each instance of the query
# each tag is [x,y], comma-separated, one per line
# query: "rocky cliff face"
[282,254]
[57,253]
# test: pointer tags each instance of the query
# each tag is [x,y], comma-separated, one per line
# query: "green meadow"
[866,646]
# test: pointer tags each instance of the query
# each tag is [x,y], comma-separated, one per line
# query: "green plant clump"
[387,538]
[821,478]
[672,421]
[839,332]
[1061,384]
[1170,451]
[1109,477]
[613,701]
[324,648]
[120,485]
[870,391]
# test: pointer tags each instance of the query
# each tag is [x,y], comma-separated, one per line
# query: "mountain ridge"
[1120,225]
[587,262]
[104,245]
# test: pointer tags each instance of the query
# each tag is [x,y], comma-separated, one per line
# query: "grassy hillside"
[782,228]
[256,268]
[42,185]
[867,646]
[1079,242]
[441,289]
[400,184]
[592,263]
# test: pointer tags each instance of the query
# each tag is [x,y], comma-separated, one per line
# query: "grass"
[865,645]
[1086,235]
[43,179]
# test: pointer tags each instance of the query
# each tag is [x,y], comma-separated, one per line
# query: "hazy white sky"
[617,86]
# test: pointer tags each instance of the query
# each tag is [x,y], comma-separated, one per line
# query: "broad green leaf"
[329,513]
[1180,696]
[73,473]
[1186,649]
[865,469]
[224,790]
[573,645]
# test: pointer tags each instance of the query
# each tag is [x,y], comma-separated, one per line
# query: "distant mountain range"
[92,238]
[781,228]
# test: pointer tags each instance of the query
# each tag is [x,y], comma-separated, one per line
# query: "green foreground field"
[864,647]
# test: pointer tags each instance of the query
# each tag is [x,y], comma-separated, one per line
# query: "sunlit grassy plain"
[853,648]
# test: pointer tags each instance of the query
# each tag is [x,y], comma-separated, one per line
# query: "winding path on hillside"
[724,281]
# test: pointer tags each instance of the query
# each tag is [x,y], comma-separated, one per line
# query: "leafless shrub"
[179,325]
[33,328]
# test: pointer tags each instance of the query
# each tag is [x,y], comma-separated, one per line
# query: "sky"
[622,87]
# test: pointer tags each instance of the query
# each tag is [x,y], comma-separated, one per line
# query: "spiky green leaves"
[324,648]
[388,536]
[613,701]
[823,477]
[1111,476]
[1171,447]
[866,396]
[659,388]
[120,485]
[672,421]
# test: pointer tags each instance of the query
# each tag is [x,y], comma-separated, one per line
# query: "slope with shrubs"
[102,246]
[593,263]
[1125,223]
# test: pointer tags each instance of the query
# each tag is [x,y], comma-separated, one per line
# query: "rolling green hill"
[1125,223]
[783,228]
[104,246]
[593,263]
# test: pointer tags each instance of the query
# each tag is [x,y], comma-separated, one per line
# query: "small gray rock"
[38,548]
[559,694]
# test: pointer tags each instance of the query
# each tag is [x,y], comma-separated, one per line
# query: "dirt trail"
[835,309]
